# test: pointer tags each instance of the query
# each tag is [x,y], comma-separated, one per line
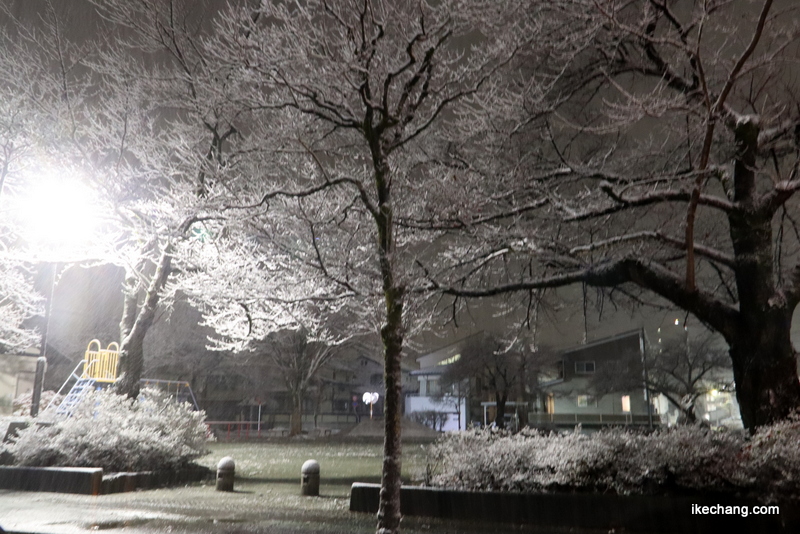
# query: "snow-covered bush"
[116,433]
[690,458]
[773,458]
[681,458]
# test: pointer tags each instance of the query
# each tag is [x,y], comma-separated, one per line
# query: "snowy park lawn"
[267,490]
[341,463]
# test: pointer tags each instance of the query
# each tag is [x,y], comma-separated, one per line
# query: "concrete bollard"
[309,478]
[226,469]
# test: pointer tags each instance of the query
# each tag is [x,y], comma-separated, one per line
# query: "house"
[442,408]
[599,383]
[256,391]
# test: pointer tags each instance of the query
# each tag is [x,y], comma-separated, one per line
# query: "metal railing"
[227,430]
[180,389]
[73,375]
[101,364]
[587,419]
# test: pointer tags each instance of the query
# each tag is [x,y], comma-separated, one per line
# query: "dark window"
[584,368]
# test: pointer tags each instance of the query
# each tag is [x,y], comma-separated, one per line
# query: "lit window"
[626,403]
[451,359]
[583,401]
[584,368]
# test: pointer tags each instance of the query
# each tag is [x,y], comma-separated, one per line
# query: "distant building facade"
[445,408]
[599,383]
[16,378]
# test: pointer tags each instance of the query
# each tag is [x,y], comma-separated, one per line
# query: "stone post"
[309,478]
[226,469]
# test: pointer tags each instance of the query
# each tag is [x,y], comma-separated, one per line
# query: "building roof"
[638,334]
[433,359]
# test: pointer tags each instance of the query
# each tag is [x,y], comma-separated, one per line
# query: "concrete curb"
[122,482]
[91,481]
[628,513]
[86,481]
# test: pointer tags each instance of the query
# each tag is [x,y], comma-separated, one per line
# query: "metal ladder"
[75,396]
[76,393]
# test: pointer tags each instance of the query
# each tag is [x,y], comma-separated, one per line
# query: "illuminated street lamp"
[370,398]
[58,217]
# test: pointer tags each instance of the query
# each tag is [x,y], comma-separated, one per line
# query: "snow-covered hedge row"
[680,459]
[118,434]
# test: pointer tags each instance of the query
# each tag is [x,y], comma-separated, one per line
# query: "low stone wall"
[91,481]
[87,481]
[628,513]
[122,482]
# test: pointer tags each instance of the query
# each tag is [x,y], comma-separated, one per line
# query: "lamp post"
[58,217]
[371,399]
[48,307]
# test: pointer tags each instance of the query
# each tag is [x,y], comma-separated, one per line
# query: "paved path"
[256,507]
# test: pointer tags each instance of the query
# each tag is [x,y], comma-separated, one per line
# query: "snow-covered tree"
[260,303]
[365,84]
[120,136]
[50,72]
[684,372]
[19,302]
[298,358]
[496,365]
[666,164]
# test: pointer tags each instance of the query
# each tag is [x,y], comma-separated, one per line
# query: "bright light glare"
[57,212]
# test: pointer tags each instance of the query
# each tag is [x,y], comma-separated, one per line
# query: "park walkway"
[274,508]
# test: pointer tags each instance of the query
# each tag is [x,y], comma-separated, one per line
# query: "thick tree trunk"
[765,369]
[764,362]
[687,408]
[129,355]
[500,415]
[131,363]
[392,335]
[296,419]
[133,331]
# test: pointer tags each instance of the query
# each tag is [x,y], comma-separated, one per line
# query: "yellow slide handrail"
[101,364]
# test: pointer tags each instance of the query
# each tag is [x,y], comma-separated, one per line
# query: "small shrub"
[116,433]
